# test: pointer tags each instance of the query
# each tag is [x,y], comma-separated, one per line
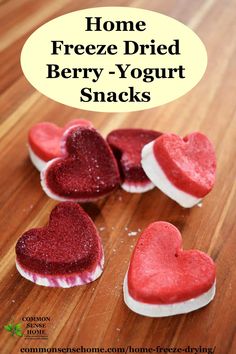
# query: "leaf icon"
[18,329]
[14,329]
[18,333]
[8,327]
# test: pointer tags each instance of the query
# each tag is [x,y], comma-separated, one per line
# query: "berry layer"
[127,145]
[159,178]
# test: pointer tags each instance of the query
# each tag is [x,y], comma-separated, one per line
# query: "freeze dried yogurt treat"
[162,279]
[65,253]
[127,145]
[44,141]
[184,169]
[87,171]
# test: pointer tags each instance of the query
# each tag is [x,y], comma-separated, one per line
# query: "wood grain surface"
[95,315]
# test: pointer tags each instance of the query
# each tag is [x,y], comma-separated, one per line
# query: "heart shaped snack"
[44,141]
[162,279]
[127,145]
[184,169]
[65,253]
[86,172]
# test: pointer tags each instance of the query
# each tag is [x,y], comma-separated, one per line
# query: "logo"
[14,329]
[32,326]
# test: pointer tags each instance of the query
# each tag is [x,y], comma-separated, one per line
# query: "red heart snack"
[86,172]
[127,145]
[184,169]
[162,279]
[44,141]
[65,253]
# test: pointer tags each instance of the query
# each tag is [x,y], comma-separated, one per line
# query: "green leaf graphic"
[8,327]
[18,333]
[18,326]
[14,329]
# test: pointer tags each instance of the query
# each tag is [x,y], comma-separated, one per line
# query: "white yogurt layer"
[152,310]
[137,187]
[62,281]
[155,173]
[36,161]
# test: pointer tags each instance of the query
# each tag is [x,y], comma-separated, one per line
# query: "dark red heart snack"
[163,279]
[88,170]
[65,253]
[127,145]
[44,140]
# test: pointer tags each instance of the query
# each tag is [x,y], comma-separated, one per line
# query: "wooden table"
[95,315]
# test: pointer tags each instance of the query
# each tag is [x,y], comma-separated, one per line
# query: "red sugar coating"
[45,138]
[161,272]
[88,171]
[127,145]
[189,163]
[68,244]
